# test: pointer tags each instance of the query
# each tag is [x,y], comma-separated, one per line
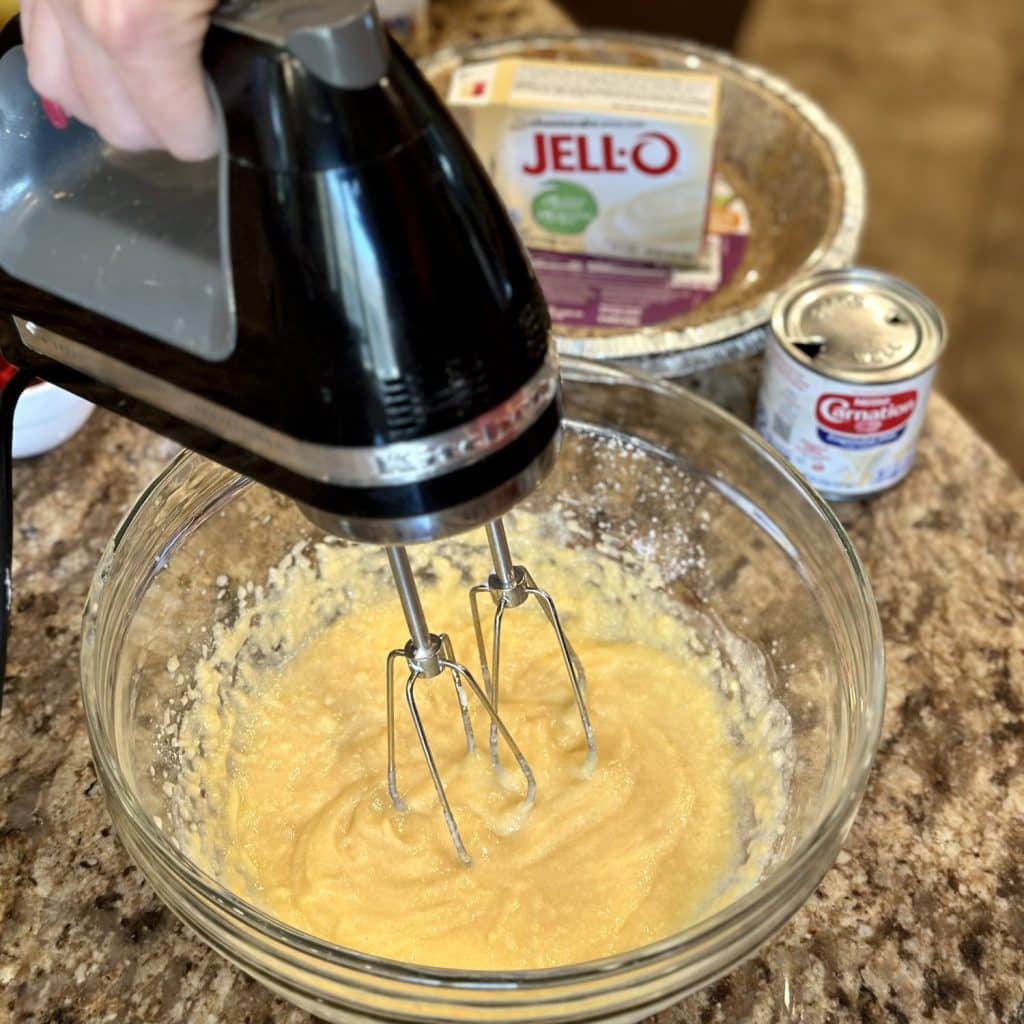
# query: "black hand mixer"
[337,306]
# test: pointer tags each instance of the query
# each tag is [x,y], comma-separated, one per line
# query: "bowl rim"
[662,350]
[789,874]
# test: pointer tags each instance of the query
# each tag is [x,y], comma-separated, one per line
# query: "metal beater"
[511,586]
[429,655]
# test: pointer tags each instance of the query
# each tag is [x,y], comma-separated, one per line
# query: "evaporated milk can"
[848,369]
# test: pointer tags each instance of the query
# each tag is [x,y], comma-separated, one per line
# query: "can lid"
[859,325]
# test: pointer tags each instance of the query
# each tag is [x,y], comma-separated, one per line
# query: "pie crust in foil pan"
[794,170]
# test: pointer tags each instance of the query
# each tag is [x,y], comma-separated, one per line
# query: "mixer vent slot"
[416,402]
[534,326]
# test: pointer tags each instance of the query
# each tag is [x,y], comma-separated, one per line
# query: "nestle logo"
[865,414]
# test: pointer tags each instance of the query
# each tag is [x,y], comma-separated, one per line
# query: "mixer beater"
[511,586]
[429,655]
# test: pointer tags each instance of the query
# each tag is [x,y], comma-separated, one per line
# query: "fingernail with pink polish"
[55,113]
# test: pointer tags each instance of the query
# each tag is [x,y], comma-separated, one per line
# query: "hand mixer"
[337,306]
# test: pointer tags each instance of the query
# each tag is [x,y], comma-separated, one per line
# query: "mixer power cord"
[9,395]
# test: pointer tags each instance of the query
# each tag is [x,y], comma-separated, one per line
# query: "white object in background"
[45,417]
[405,19]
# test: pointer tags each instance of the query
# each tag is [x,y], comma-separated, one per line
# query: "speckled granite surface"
[922,918]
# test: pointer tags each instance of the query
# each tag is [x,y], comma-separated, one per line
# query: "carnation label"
[864,421]
[847,444]
[846,380]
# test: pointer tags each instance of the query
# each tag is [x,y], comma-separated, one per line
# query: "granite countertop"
[922,917]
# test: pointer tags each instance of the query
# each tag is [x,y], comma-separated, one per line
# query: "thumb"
[157,47]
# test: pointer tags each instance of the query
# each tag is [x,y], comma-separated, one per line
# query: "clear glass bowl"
[736,537]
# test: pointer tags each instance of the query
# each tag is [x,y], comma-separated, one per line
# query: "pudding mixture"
[285,797]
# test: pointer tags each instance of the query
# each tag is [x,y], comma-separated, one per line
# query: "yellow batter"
[294,814]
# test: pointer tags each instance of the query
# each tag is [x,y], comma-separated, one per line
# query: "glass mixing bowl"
[737,540]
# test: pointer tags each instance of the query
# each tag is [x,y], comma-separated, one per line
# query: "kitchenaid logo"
[865,414]
[653,153]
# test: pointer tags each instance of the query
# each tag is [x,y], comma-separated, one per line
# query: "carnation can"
[848,369]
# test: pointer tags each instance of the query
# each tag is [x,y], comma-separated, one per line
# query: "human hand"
[130,69]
